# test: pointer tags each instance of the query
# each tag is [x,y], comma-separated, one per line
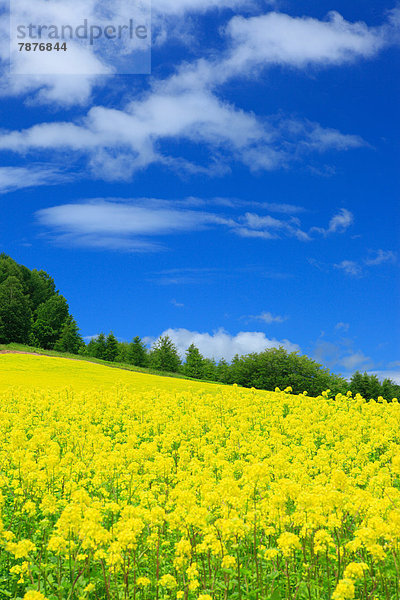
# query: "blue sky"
[244,195]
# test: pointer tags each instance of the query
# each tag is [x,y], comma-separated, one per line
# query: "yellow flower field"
[118,485]
[44,372]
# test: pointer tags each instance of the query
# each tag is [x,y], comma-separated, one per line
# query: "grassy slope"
[20,366]
[125,366]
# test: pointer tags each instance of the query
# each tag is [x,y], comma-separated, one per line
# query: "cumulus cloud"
[118,143]
[275,38]
[339,356]
[188,107]
[221,344]
[251,44]
[179,7]
[354,361]
[387,374]
[121,142]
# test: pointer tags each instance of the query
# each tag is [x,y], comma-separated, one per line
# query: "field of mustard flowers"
[118,485]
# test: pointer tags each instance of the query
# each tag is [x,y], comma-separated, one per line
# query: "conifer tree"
[195,363]
[164,355]
[111,351]
[15,312]
[137,353]
[70,339]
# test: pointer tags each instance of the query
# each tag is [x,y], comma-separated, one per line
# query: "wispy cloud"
[177,304]
[269,318]
[342,326]
[252,225]
[380,257]
[350,267]
[338,224]
[128,224]
[16,178]
[375,259]
[120,225]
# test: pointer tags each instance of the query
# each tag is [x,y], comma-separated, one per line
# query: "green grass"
[13,347]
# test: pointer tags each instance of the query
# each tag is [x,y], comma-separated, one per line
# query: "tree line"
[33,312]
[274,367]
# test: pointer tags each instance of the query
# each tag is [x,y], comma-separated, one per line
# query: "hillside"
[118,484]
[50,372]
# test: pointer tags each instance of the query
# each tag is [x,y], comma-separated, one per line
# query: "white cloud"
[269,318]
[350,267]
[354,361]
[120,142]
[121,225]
[185,106]
[338,224]
[336,356]
[252,43]
[380,257]
[266,227]
[300,41]
[177,304]
[125,224]
[289,209]
[178,7]
[375,259]
[274,38]
[221,344]
[342,326]
[387,374]
[15,178]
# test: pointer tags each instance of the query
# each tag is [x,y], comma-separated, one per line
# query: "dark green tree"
[15,312]
[111,347]
[8,268]
[123,352]
[70,339]
[210,369]
[276,367]
[223,372]
[91,348]
[137,354]
[368,386]
[41,288]
[195,363]
[164,355]
[51,317]
[390,390]
[101,346]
